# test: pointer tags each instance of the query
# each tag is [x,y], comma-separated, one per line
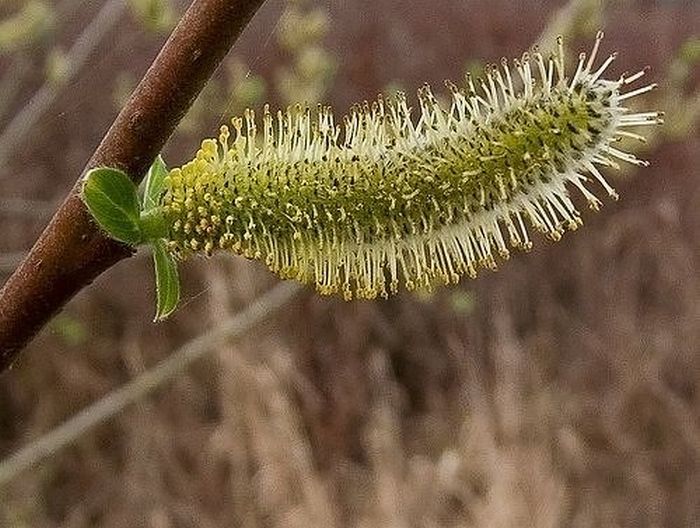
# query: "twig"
[71,252]
[116,401]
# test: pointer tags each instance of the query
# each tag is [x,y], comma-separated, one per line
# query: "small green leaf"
[154,183]
[112,199]
[167,281]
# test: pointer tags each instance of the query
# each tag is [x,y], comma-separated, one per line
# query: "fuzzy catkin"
[380,200]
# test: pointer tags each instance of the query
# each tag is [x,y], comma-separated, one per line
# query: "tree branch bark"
[72,252]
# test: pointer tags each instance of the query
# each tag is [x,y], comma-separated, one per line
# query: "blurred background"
[562,391]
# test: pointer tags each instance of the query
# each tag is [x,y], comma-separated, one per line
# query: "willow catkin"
[384,199]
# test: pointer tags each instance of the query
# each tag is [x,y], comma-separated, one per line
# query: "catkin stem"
[153,225]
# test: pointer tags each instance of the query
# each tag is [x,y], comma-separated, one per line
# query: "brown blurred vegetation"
[562,391]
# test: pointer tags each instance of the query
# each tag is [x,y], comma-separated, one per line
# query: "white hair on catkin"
[380,200]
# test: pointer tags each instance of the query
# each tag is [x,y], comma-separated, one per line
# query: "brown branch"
[71,252]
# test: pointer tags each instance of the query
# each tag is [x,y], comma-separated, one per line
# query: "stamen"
[595,76]
[594,52]
[638,91]
[579,69]
[636,76]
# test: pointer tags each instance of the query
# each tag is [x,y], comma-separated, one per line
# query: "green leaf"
[112,199]
[154,183]
[167,281]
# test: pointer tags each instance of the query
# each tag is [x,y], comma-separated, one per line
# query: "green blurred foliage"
[307,77]
[57,66]
[69,329]
[26,26]
[228,95]
[158,16]
[462,301]
[682,106]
